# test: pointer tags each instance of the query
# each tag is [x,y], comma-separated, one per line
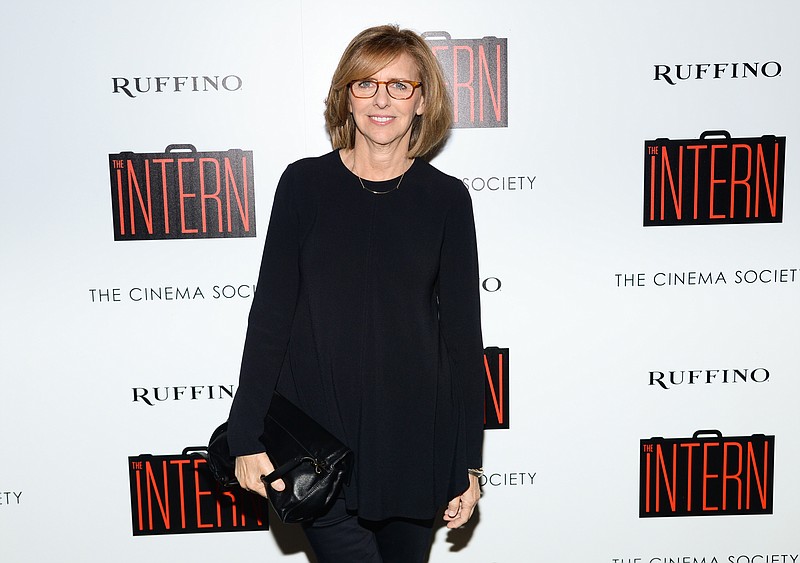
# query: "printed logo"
[8,498]
[507,479]
[713,181]
[762,276]
[216,292]
[176,494]
[182,195]
[673,378]
[136,86]
[495,408]
[673,73]
[706,476]
[768,557]
[491,285]
[500,183]
[151,396]
[477,74]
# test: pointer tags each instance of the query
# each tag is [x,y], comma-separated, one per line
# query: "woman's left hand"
[460,509]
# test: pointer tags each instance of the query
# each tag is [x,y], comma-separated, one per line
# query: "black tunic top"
[367,316]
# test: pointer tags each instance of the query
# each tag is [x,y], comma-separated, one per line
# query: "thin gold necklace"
[360,181]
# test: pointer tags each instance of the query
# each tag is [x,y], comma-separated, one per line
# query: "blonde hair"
[369,52]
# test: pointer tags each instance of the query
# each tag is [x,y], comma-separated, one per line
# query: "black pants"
[341,537]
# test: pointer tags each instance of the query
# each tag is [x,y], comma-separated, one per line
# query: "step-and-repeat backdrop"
[634,172]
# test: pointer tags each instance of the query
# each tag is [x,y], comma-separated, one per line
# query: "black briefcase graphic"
[177,494]
[714,180]
[706,475]
[182,194]
[476,71]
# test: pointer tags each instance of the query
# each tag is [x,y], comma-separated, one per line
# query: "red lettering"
[197,494]
[653,188]
[713,181]
[722,483]
[147,211]
[666,170]
[689,456]
[496,99]
[172,484]
[696,149]
[647,484]
[745,181]
[120,203]
[241,202]
[466,85]
[497,397]
[718,187]
[183,195]
[727,476]
[182,490]
[215,196]
[761,166]
[163,504]
[163,162]
[662,465]
[752,469]
[139,499]
[706,475]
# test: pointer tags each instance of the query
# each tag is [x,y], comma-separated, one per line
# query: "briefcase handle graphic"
[437,35]
[715,133]
[705,433]
[699,433]
[178,146]
[725,135]
[444,36]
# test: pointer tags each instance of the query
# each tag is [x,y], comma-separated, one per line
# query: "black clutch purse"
[309,459]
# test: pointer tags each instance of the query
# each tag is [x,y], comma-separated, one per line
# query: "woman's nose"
[382,98]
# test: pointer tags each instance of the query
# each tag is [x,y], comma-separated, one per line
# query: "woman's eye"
[400,86]
[365,84]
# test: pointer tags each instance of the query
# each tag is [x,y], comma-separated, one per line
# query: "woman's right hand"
[250,469]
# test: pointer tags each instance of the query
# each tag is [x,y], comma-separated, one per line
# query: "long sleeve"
[367,316]
[459,317]
[269,323]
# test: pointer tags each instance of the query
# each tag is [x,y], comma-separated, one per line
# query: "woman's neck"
[376,164]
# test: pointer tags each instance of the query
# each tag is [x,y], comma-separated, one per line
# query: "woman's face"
[381,121]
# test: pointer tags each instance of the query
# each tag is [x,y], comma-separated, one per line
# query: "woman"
[367,314]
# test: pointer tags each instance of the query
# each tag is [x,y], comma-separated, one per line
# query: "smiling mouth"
[381,118]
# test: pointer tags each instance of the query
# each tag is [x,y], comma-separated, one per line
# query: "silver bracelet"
[476,472]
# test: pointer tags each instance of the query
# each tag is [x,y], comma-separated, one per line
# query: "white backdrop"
[582,100]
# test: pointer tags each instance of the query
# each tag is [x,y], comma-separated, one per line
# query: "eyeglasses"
[397,89]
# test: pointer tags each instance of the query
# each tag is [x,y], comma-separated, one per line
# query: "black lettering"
[777,69]
[140,394]
[123,87]
[491,284]
[662,71]
[657,377]
[238,83]
[688,72]
[207,81]
[139,87]
[180,81]
[701,70]
[752,68]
